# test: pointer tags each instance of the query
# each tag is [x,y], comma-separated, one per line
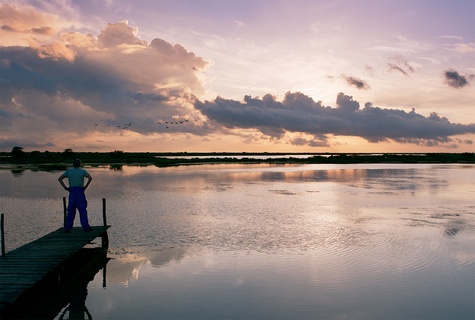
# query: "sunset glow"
[217,76]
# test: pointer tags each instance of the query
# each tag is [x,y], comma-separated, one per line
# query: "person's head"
[77,163]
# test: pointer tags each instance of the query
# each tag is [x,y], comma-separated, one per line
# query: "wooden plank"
[12,291]
[15,288]
[22,280]
[51,252]
[24,269]
[35,259]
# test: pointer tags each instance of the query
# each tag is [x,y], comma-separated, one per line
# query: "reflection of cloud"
[123,267]
[163,256]
[453,224]
[453,228]
[126,263]
[465,257]
[284,192]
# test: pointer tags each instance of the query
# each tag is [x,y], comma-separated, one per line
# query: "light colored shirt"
[76,177]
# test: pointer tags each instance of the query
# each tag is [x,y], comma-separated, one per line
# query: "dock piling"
[104,218]
[64,212]
[3,234]
[104,236]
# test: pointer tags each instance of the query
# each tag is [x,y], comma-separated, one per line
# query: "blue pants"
[77,200]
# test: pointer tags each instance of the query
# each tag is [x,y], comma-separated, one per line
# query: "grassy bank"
[61,160]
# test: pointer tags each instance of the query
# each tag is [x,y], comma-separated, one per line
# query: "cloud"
[356,82]
[455,79]
[77,79]
[399,63]
[117,34]
[61,86]
[462,48]
[24,25]
[298,113]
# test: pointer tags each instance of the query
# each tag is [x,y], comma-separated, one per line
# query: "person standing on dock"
[77,197]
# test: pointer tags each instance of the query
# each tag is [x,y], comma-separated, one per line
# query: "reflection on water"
[76,308]
[270,241]
[127,262]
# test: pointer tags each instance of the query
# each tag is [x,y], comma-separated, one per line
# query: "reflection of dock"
[43,261]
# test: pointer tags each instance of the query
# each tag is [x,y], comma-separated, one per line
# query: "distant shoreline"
[60,160]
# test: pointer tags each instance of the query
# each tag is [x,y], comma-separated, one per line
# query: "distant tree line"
[18,155]
[61,159]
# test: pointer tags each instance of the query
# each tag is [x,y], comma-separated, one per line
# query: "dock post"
[3,234]
[104,218]
[104,276]
[104,235]
[64,212]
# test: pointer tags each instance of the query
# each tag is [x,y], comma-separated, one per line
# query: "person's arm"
[60,179]
[89,179]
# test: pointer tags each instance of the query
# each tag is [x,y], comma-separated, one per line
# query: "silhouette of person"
[77,197]
[77,307]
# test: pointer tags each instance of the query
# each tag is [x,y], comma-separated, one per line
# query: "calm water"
[269,241]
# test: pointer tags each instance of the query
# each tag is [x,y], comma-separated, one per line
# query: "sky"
[238,75]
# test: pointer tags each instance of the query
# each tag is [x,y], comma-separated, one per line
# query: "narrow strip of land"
[60,161]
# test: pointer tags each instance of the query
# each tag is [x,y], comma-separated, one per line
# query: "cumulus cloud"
[356,82]
[78,79]
[25,25]
[117,34]
[298,113]
[399,64]
[455,79]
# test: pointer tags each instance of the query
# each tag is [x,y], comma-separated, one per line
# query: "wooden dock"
[25,267]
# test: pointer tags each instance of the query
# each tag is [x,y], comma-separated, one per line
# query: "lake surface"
[392,241]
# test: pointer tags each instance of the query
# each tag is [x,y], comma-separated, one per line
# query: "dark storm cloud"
[300,114]
[27,76]
[23,69]
[399,64]
[357,82]
[455,79]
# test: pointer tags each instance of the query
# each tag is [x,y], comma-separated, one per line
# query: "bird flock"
[166,124]
[124,126]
